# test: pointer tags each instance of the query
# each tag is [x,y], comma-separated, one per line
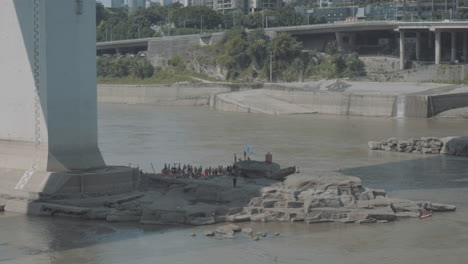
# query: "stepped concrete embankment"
[419,100]
[292,101]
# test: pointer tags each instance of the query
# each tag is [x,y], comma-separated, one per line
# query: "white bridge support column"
[402,50]
[437,46]
[48,101]
[453,43]
[418,46]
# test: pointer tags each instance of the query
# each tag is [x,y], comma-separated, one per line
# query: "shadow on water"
[424,173]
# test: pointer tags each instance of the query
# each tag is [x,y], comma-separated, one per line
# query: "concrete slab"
[24,207]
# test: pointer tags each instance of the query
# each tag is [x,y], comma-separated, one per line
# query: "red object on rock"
[268,158]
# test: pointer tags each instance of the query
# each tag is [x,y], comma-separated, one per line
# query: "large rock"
[455,146]
[374,145]
[225,229]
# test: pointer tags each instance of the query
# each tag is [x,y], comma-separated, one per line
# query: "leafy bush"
[120,67]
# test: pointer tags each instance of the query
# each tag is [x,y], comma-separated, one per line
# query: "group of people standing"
[188,170]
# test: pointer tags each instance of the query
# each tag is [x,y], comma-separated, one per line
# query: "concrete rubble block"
[401,205]
[347,200]
[402,146]
[256,202]
[229,235]
[209,233]
[238,218]
[97,213]
[382,213]
[294,204]
[122,216]
[332,190]
[379,201]
[280,204]
[294,215]
[228,228]
[374,145]
[437,207]
[269,203]
[25,207]
[366,221]
[162,217]
[247,230]
[274,215]
[345,190]
[259,217]
[412,214]
[252,210]
[322,201]
[326,214]
[234,210]
[358,214]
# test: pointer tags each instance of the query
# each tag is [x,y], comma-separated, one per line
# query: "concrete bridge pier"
[437,46]
[48,102]
[453,42]
[418,46]
[465,46]
[402,50]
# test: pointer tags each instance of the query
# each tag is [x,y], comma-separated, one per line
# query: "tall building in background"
[258,5]
[112,3]
[135,4]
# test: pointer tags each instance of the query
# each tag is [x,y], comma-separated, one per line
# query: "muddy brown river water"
[142,135]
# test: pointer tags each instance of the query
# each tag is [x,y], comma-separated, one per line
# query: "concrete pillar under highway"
[402,50]
[429,40]
[339,39]
[437,47]
[453,42]
[465,46]
[418,46]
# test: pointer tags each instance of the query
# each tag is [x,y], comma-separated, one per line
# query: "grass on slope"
[166,76]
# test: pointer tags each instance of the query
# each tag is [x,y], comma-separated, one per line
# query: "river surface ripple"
[142,135]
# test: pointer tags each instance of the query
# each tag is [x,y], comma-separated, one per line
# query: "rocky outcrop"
[330,199]
[425,145]
[300,198]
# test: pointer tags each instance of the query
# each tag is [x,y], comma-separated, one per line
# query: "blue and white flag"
[248,149]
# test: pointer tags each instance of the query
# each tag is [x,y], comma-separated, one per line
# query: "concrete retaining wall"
[380,64]
[195,94]
[337,103]
[158,95]
[426,73]
[440,103]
